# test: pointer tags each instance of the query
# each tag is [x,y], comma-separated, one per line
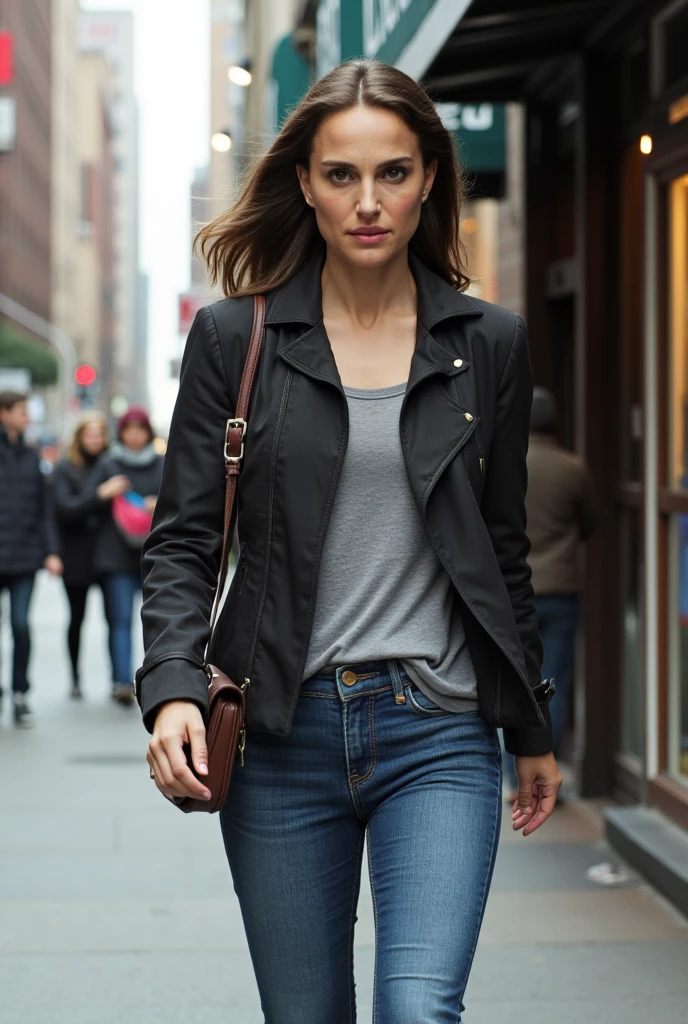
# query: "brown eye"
[339,176]
[395,173]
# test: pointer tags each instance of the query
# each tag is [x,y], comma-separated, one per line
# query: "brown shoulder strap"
[234,440]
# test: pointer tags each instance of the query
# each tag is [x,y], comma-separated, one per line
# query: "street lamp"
[221,141]
[240,74]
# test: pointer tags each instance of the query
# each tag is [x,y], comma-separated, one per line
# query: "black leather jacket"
[464,431]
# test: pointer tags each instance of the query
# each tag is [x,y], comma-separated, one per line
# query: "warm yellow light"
[221,142]
[646,144]
[469,225]
[239,75]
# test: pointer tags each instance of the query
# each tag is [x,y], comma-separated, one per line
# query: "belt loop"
[397,684]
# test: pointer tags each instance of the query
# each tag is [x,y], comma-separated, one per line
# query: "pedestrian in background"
[381,618]
[561,509]
[133,469]
[82,505]
[28,535]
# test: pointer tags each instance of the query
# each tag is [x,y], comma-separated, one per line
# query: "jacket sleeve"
[504,512]
[74,506]
[181,556]
[51,535]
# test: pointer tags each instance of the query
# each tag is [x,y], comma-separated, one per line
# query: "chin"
[370,258]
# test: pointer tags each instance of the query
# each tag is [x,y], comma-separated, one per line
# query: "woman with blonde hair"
[82,505]
[381,618]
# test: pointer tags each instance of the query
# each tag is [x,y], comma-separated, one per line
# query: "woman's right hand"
[179,723]
[113,487]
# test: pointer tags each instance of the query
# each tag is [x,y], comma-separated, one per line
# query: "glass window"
[678,328]
[632,690]
[678,647]
[678,478]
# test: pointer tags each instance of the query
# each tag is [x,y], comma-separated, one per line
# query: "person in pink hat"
[132,460]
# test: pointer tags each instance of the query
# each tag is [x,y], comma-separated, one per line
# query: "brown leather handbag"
[225,732]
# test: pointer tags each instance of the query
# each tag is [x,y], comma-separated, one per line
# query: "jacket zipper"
[268,547]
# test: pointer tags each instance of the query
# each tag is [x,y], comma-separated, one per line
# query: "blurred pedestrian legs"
[561,514]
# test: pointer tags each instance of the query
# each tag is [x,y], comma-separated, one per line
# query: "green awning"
[289,81]
[22,351]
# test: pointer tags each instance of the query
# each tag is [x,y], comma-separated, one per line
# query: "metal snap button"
[349,678]
[468,417]
[458,362]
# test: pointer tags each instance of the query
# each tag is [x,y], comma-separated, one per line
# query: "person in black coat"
[117,554]
[82,506]
[28,535]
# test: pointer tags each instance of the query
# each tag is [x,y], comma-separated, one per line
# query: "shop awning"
[499,46]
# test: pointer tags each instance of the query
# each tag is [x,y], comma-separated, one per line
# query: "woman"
[81,506]
[381,615]
[118,553]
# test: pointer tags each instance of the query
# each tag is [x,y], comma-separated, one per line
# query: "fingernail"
[206,795]
[203,769]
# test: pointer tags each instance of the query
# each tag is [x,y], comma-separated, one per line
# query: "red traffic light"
[85,375]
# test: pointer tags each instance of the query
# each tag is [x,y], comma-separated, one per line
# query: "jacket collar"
[300,301]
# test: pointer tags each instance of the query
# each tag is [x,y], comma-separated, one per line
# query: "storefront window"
[632,637]
[678,478]
[678,375]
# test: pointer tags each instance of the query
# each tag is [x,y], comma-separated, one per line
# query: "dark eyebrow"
[352,167]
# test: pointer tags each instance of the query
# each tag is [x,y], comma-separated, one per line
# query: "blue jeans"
[558,623]
[120,590]
[368,755]
[20,588]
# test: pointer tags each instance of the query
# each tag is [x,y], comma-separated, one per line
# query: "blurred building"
[112,33]
[226,104]
[65,163]
[200,215]
[94,322]
[25,155]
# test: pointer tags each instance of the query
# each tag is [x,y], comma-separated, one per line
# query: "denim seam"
[352,922]
[375,919]
[486,888]
[358,779]
[366,693]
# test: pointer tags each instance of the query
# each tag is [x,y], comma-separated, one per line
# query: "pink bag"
[131,518]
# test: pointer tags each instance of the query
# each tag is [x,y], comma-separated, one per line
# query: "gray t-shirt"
[382,590]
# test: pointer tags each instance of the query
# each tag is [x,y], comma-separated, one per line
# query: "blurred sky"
[172,85]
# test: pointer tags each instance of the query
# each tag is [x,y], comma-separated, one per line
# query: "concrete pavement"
[114,907]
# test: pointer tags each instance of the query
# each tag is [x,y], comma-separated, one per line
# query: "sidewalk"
[116,908]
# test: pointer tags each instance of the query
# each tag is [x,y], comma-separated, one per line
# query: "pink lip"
[369,234]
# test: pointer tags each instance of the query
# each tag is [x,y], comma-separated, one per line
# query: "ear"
[430,172]
[304,177]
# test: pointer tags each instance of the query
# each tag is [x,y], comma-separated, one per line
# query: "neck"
[12,434]
[363,294]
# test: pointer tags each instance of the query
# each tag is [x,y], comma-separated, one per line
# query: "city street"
[115,907]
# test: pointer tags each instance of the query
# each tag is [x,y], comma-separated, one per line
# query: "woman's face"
[93,438]
[135,436]
[366,181]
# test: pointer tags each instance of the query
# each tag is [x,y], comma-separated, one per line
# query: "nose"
[368,204]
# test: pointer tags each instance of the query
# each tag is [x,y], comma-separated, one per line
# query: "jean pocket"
[421,704]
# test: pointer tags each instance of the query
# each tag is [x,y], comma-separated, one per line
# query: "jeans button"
[349,678]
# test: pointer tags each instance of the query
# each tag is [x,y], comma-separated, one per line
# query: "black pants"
[77,594]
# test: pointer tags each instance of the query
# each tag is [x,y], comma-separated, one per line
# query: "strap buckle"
[234,460]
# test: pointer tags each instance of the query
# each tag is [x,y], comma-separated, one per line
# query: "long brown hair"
[263,239]
[74,452]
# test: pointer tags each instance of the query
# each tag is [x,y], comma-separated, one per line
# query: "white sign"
[8,123]
[329,36]
[12,379]
[380,18]
[471,118]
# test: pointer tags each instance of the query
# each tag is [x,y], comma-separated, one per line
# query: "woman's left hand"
[150,502]
[538,787]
